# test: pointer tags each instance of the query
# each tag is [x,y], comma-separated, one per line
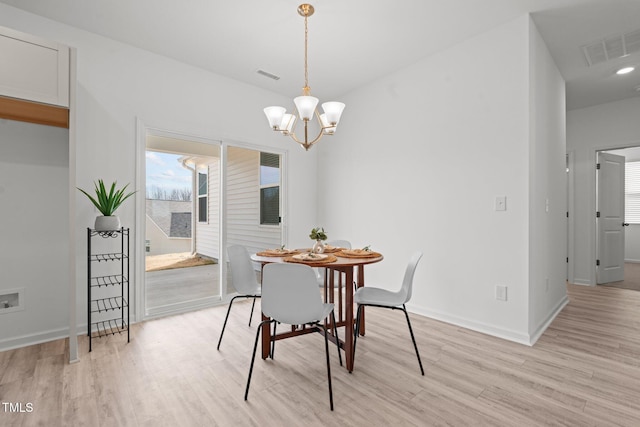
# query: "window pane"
[202,209]
[202,184]
[270,205]
[270,159]
[269,169]
[632,192]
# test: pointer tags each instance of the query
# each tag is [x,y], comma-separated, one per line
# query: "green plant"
[318,234]
[108,202]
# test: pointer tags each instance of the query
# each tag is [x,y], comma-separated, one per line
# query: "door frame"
[570,215]
[593,229]
[142,130]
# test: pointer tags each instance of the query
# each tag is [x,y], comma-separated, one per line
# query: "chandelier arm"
[322,127]
[306,144]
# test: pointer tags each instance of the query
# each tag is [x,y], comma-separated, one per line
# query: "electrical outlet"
[501,203]
[501,293]
[546,285]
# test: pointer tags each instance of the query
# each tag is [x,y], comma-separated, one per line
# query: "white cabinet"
[33,68]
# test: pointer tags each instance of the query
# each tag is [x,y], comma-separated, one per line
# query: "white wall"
[34,231]
[118,84]
[605,126]
[457,136]
[547,184]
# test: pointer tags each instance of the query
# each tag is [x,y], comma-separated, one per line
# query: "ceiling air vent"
[267,74]
[612,48]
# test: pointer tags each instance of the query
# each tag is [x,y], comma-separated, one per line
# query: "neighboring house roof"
[180,224]
[162,212]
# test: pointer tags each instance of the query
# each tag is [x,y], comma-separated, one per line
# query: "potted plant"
[318,234]
[107,202]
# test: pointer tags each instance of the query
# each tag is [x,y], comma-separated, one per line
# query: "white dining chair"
[377,297]
[244,280]
[290,296]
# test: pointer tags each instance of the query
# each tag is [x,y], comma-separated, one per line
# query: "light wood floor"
[585,370]
[631,277]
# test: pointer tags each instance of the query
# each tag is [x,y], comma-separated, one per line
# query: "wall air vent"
[612,48]
[267,74]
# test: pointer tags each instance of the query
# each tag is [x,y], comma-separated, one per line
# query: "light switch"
[501,203]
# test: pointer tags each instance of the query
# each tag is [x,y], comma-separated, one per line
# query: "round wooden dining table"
[346,269]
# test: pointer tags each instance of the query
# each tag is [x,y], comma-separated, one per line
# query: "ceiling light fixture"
[625,70]
[306,104]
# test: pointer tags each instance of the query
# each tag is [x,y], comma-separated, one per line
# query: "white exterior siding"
[243,203]
[208,234]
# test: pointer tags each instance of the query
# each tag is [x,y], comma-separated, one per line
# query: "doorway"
[618,234]
[237,196]
[182,224]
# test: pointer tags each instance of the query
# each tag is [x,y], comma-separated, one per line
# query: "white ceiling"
[351,42]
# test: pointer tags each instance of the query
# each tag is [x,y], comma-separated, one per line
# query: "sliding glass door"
[202,196]
[182,225]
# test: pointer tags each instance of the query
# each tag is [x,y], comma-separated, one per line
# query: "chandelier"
[306,104]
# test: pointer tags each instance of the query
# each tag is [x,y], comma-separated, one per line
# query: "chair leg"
[326,349]
[252,306]
[413,338]
[253,357]
[335,332]
[356,332]
[225,320]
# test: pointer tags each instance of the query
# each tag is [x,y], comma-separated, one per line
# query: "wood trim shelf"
[34,112]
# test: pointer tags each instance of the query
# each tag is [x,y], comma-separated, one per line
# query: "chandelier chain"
[306,68]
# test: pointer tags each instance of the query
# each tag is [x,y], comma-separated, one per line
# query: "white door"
[610,201]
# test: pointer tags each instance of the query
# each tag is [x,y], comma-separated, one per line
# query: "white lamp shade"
[333,111]
[328,129]
[288,120]
[274,115]
[306,106]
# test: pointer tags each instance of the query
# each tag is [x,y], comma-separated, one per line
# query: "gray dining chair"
[244,280]
[290,296]
[377,297]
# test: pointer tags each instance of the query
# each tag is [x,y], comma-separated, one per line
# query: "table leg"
[266,330]
[360,283]
[348,330]
[266,338]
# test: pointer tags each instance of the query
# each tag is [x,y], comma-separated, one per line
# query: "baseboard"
[31,339]
[41,337]
[583,282]
[632,261]
[552,315]
[498,332]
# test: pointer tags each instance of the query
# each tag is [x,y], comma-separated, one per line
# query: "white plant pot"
[318,247]
[107,223]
